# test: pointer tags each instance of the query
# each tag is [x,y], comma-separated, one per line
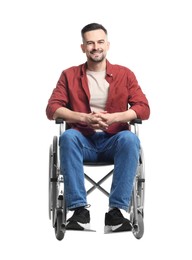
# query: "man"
[98,99]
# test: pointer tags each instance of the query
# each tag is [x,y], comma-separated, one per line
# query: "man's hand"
[108,118]
[118,117]
[95,121]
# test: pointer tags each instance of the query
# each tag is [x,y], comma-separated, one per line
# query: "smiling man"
[95,45]
[98,100]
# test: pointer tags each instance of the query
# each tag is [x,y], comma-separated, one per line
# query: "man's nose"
[95,46]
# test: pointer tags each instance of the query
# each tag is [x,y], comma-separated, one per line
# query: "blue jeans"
[122,148]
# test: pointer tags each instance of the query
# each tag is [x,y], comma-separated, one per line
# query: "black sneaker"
[115,221]
[80,219]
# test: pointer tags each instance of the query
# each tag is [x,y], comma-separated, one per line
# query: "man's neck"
[96,66]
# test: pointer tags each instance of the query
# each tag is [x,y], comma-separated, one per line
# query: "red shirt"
[72,91]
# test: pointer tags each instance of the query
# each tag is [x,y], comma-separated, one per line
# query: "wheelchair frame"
[57,207]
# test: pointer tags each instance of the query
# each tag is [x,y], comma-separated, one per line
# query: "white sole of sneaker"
[118,228]
[77,225]
[85,226]
[109,229]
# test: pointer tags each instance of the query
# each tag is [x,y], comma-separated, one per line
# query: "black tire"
[50,188]
[141,177]
[53,164]
[138,233]
[64,211]
[59,227]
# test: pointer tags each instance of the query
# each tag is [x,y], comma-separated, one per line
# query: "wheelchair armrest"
[59,121]
[135,121]
[63,126]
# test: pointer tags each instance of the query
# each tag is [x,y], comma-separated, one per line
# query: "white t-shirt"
[98,88]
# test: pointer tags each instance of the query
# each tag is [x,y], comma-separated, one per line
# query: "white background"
[38,40]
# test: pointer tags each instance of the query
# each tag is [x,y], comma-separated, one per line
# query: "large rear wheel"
[53,164]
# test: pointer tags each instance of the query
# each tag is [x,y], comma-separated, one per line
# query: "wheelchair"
[57,207]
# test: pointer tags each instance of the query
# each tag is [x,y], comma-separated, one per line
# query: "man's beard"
[98,59]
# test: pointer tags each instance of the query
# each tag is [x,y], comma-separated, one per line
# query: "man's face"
[95,45]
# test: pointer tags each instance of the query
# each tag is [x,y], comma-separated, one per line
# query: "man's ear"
[82,48]
[108,45]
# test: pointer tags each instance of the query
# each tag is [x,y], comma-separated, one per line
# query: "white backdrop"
[38,40]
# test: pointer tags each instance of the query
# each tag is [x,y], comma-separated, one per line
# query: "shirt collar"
[109,69]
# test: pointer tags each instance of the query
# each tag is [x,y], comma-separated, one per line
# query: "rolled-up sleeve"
[59,97]
[137,99]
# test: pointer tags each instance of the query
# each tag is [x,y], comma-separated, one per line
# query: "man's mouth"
[96,52]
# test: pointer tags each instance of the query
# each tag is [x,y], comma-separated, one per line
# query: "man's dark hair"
[91,27]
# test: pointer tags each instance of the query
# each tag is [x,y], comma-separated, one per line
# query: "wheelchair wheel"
[59,226]
[53,179]
[50,188]
[141,182]
[139,230]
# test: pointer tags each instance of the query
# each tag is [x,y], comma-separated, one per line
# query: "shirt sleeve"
[59,97]
[137,99]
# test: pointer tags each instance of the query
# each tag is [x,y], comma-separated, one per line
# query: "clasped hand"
[100,120]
